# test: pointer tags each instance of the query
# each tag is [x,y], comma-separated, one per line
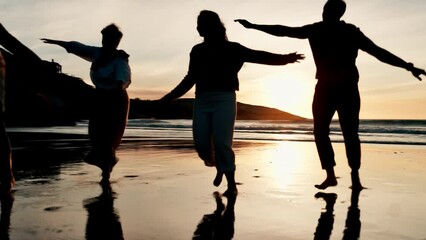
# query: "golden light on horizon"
[286,92]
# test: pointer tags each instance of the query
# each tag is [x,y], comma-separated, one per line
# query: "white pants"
[213,128]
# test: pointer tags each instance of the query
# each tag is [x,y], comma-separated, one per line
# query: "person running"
[213,69]
[335,46]
[110,73]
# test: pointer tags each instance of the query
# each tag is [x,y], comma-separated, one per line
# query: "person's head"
[333,10]
[210,26]
[111,36]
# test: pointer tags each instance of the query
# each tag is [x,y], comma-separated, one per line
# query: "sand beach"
[161,190]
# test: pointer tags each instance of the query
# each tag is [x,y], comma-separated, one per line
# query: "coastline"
[161,190]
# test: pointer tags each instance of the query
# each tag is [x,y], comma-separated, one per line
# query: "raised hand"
[51,41]
[46,40]
[244,22]
[417,72]
[295,57]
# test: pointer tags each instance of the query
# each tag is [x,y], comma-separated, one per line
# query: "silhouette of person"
[335,46]
[7,179]
[213,69]
[110,73]
[103,222]
[7,200]
[218,225]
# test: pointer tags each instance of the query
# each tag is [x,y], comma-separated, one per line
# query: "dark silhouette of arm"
[277,30]
[186,84]
[52,41]
[387,57]
[183,87]
[268,58]
[86,52]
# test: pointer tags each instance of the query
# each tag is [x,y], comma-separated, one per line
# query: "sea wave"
[411,132]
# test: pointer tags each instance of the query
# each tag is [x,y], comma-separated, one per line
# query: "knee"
[321,132]
[351,137]
[205,154]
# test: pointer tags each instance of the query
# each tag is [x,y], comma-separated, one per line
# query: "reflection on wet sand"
[6,210]
[353,222]
[103,222]
[218,225]
[326,220]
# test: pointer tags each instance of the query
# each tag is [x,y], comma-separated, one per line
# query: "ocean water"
[412,132]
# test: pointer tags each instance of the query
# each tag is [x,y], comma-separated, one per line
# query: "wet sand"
[161,190]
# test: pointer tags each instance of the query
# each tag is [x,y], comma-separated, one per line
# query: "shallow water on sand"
[161,190]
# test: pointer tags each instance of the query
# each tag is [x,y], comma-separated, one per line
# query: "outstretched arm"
[183,87]
[268,58]
[389,58]
[86,52]
[262,57]
[52,41]
[277,30]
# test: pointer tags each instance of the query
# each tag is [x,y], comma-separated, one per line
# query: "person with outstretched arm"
[335,46]
[110,73]
[213,69]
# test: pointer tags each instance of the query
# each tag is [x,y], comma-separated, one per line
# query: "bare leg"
[330,181]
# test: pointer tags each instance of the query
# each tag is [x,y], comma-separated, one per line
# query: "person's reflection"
[353,222]
[6,209]
[103,222]
[326,220]
[218,225]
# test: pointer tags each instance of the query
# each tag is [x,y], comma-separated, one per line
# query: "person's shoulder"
[350,26]
[235,45]
[313,25]
[122,54]
[197,48]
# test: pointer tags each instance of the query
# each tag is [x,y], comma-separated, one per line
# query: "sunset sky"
[159,35]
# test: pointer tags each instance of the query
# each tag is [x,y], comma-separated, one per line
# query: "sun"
[284,92]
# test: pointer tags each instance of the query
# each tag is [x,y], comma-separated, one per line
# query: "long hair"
[210,26]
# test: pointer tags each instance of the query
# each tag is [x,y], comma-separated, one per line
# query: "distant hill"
[39,94]
[182,109]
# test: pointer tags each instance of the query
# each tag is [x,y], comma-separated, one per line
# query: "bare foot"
[328,197]
[328,182]
[218,179]
[356,183]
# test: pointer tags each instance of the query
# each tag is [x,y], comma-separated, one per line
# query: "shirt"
[335,48]
[114,74]
[214,67]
